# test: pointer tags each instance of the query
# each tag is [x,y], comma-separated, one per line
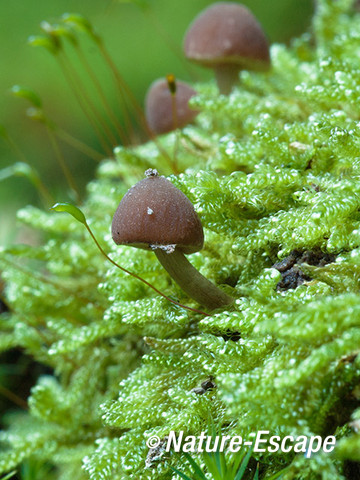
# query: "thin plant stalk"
[126,94]
[140,278]
[109,111]
[44,191]
[84,106]
[78,145]
[69,178]
[13,397]
[123,87]
[169,41]
[39,115]
[172,88]
[82,91]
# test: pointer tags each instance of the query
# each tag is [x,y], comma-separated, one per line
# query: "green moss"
[271,169]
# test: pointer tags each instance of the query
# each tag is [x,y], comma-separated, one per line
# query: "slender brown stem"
[191,281]
[139,278]
[61,160]
[88,99]
[84,105]
[171,81]
[169,41]
[123,89]
[126,91]
[103,98]
[44,191]
[13,397]
[78,145]
[123,86]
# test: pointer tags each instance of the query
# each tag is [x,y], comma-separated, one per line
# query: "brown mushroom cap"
[156,213]
[159,107]
[226,33]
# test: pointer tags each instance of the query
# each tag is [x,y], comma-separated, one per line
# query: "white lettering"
[258,440]
[331,440]
[172,438]
[190,444]
[301,443]
[283,443]
[235,444]
[274,442]
[310,449]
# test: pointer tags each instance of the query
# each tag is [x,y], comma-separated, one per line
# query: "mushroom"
[227,38]
[155,215]
[159,106]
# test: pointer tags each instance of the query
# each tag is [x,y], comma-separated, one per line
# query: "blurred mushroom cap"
[159,107]
[227,32]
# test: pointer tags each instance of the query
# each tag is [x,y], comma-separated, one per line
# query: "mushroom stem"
[227,75]
[191,281]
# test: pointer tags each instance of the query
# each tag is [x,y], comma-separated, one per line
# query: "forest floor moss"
[273,171]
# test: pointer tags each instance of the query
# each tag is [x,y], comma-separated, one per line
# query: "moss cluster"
[272,169]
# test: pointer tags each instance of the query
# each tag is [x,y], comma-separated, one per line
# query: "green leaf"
[28,94]
[47,42]
[195,466]
[213,464]
[9,475]
[17,249]
[244,464]
[58,32]
[36,114]
[220,462]
[69,208]
[280,473]
[181,475]
[81,24]
[236,464]
[20,169]
[65,32]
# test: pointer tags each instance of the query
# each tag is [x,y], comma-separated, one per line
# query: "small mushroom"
[171,231]
[227,38]
[159,107]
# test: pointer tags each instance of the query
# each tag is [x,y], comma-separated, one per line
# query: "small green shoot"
[53,42]
[9,475]
[217,467]
[72,210]
[44,41]
[128,101]
[81,24]
[21,169]
[36,112]
[34,469]
[59,32]
[216,464]
[28,94]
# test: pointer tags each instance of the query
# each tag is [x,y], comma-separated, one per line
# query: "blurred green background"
[142,38]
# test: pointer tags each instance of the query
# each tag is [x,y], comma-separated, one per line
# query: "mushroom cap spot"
[226,33]
[159,106]
[173,221]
